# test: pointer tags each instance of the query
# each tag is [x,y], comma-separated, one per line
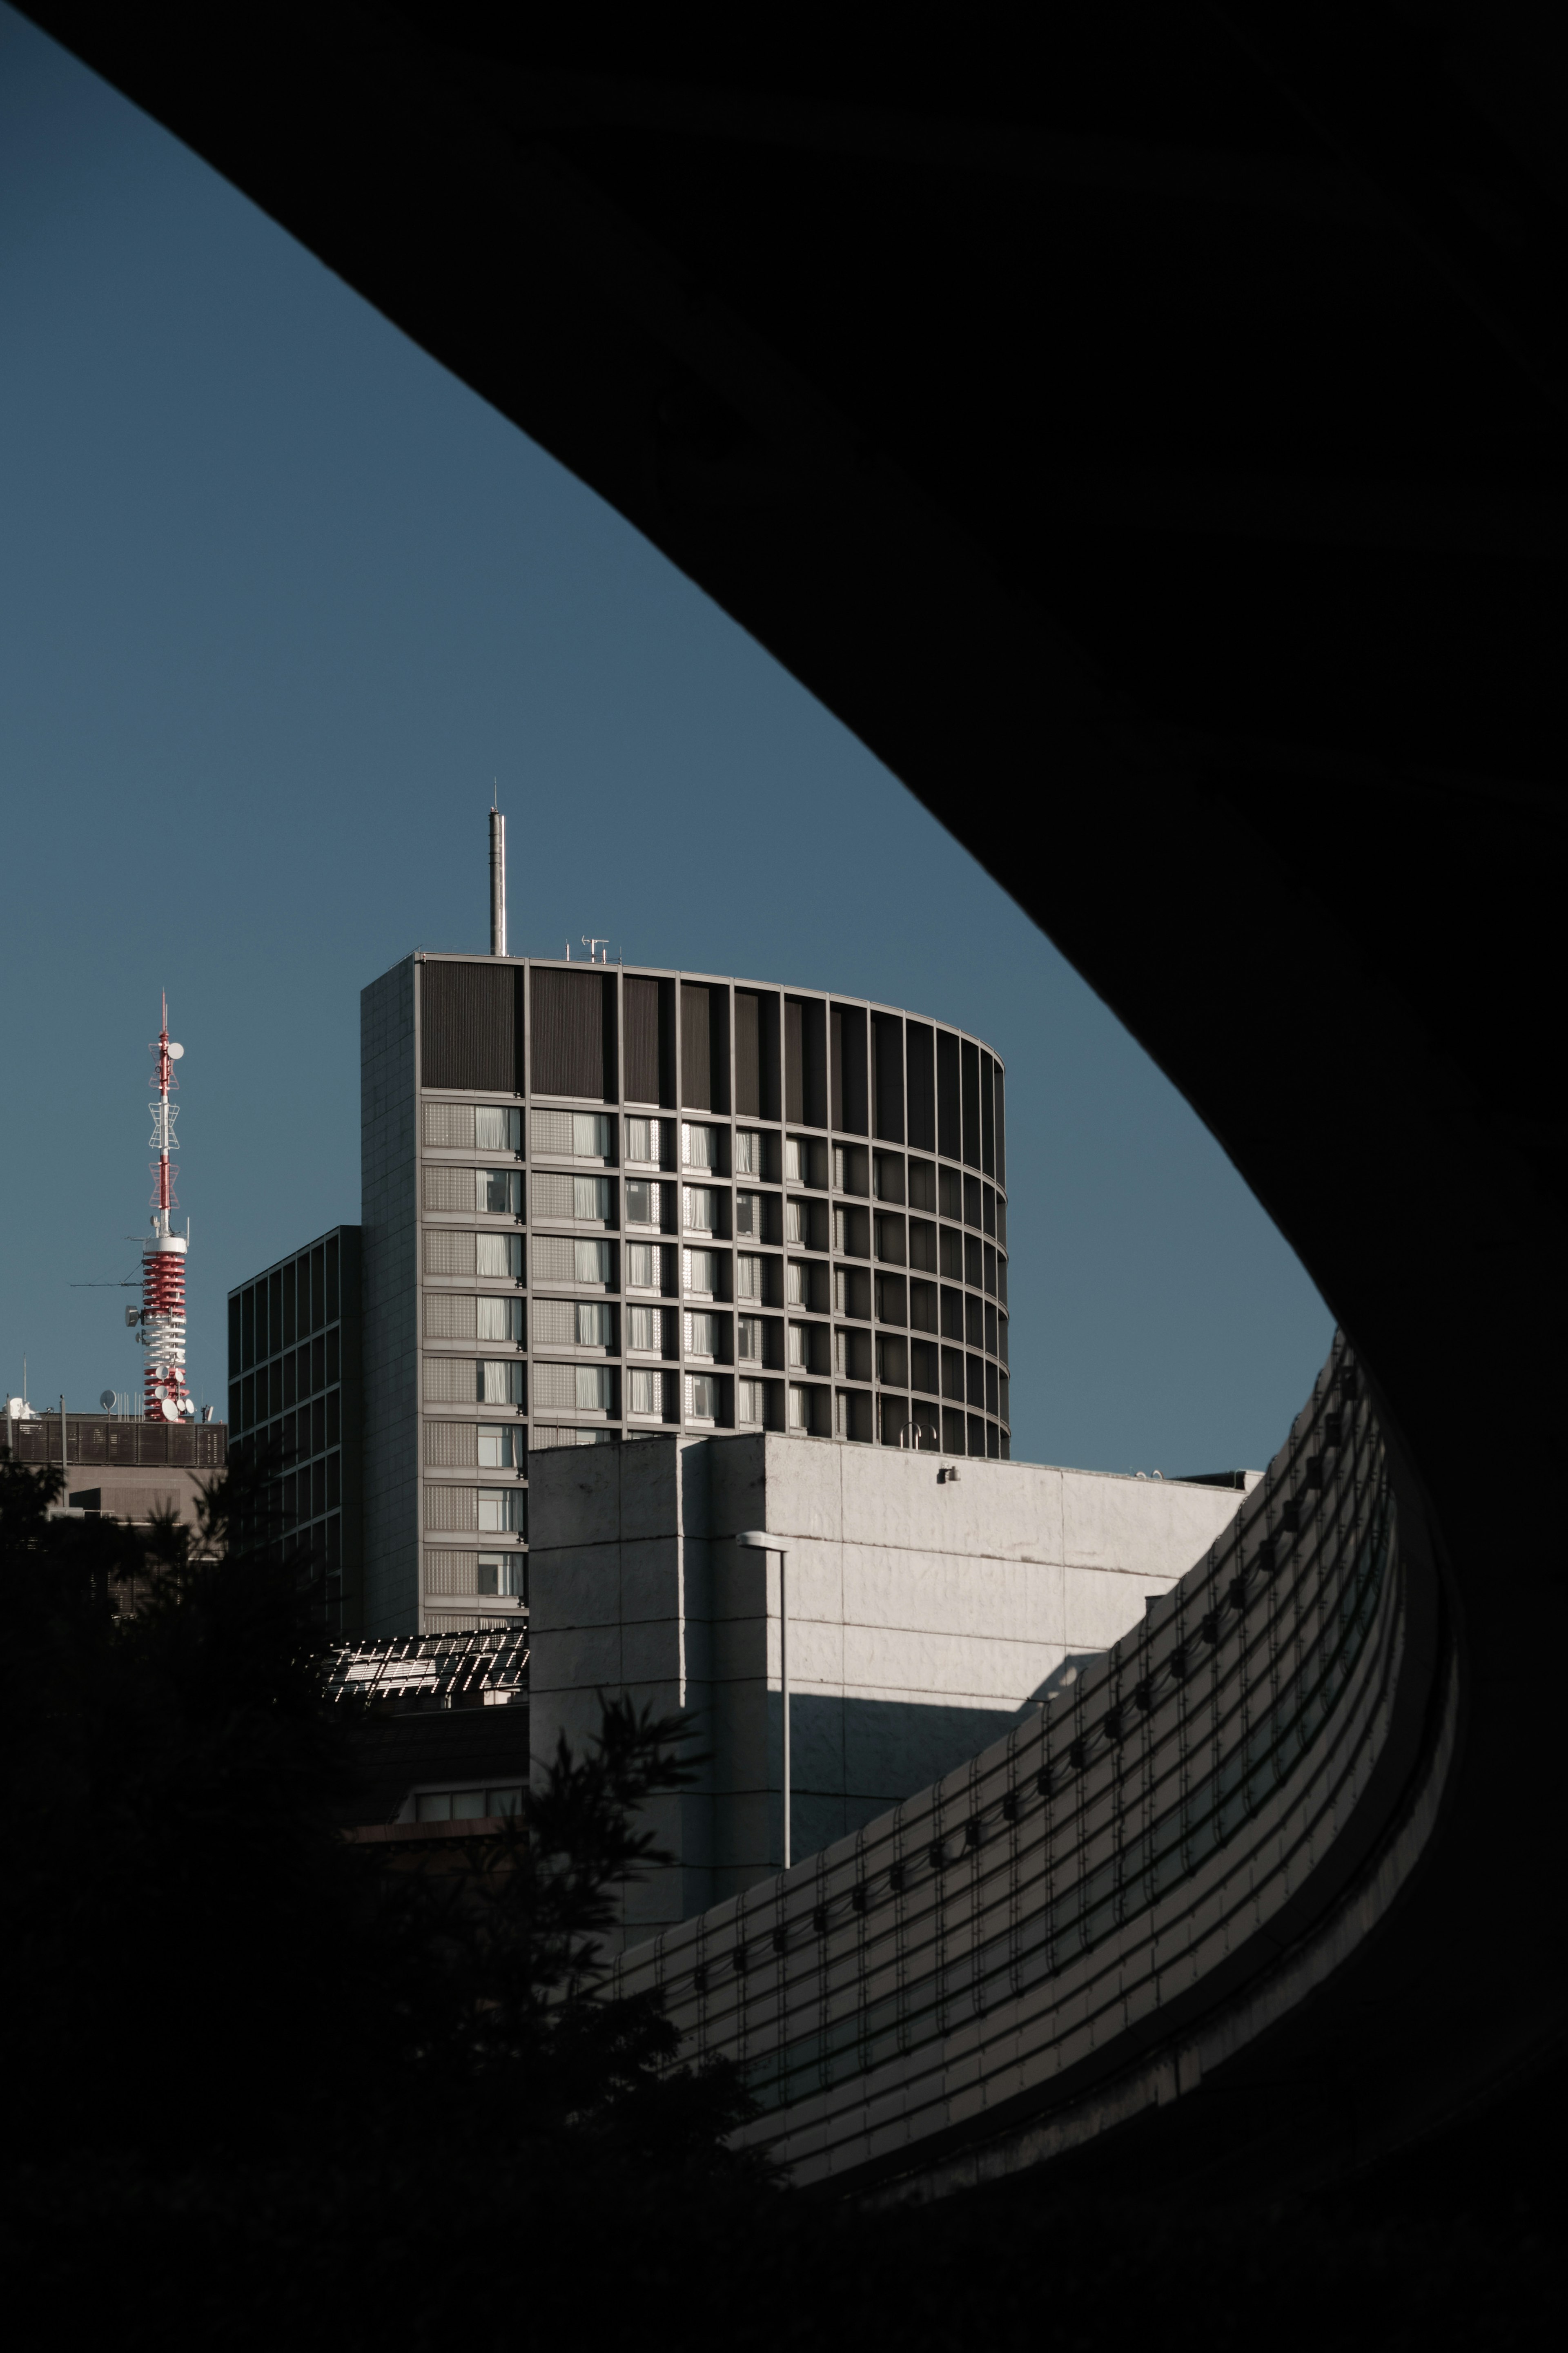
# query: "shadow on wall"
[852,1759]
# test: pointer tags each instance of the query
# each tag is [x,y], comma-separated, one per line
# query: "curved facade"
[1130,1886]
[600,1202]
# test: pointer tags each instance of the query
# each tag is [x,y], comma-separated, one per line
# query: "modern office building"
[600,1203]
[296,1401]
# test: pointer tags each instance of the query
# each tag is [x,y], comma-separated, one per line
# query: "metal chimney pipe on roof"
[498,884]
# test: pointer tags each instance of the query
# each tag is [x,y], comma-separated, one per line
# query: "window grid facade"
[828,1179]
[294,1407]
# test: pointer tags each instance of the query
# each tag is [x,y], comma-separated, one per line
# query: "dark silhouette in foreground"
[260,2080]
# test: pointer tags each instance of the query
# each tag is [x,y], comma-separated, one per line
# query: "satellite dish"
[106,1400]
[175,1052]
[171,1412]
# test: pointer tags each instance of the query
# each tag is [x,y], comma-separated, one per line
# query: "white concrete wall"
[924,1616]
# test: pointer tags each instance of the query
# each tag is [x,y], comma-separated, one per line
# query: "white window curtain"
[795,1160]
[647,1391]
[701,1396]
[748,1401]
[591,1135]
[702,1271]
[500,1256]
[497,1129]
[748,1276]
[799,1408]
[593,1384]
[595,1325]
[700,1209]
[500,1319]
[748,1152]
[794,1221]
[647,1327]
[642,1266]
[591,1197]
[501,1381]
[794,1283]
[702,1335]
[592,1260]
[698,1146]
[799,1348]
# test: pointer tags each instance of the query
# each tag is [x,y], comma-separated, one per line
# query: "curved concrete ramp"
[1092,1914]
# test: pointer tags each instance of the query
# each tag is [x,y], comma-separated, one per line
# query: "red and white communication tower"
[163,1318]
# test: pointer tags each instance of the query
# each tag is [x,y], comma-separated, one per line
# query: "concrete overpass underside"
[1157,413]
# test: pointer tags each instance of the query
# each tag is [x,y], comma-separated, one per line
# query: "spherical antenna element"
[175,1052]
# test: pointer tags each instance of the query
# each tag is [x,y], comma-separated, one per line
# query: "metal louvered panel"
[450,1253]
[552,1194]
[449,1316]
[452,1507]
[552,1258]
[451,1445]
[450,1188]
[449,1126]
[456,1571]
[555,1388]
[554,1322]
[553,1130]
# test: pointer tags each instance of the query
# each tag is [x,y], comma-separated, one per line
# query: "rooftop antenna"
[497,880]
[166,1397]
[593,947]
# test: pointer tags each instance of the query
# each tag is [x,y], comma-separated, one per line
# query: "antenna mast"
[498,884]
[166,1397]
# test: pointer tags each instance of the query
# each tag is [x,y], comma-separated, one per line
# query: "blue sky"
[279,599]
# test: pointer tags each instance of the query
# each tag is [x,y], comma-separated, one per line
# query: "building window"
[592,1261]
[647,1391]
[748,1401]
[644,1206]
[748,1276]
[644,1269]
[799,1408]
[748,1152]
[499,1257]
[795,1283]
[797,1159]
[700,1209]
[501,1511]
[591,1197]
[800,1346]
[497,1129]
[838,1168]
[584,1135]
[596,1324]
[499,1319]
[749,1214]
[699,1146]
[794,1221]
[503,1572]
[498,1192]
[701,1396]
[501,1381]
[702,1335]
[646,1328]
[643,1141]
[749,1339]
[499,1447]
[701,1271]
[596,1389]
[466,1805]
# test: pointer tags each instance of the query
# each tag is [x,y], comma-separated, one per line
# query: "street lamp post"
[758,1540]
